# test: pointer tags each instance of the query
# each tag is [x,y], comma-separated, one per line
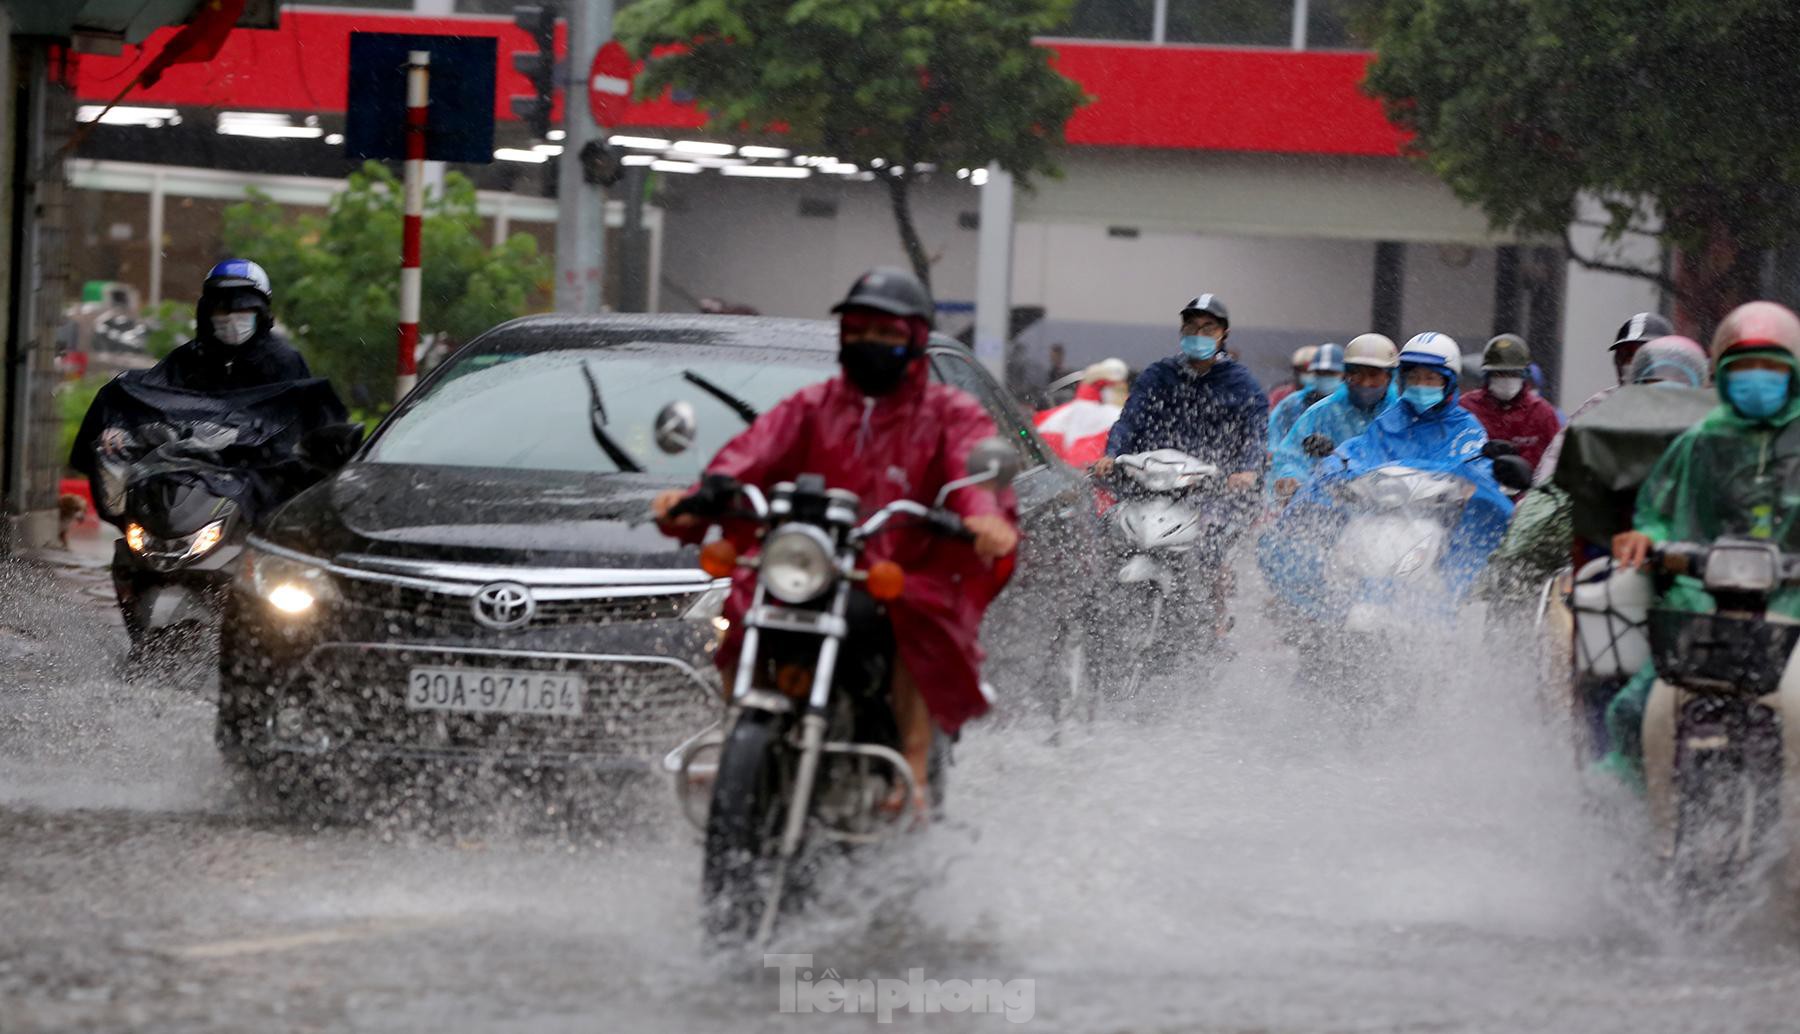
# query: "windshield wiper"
[744,410]
[597,423]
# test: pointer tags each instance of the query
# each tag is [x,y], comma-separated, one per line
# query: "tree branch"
[1661,280]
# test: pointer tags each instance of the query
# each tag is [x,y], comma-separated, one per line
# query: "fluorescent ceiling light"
[515,154]
[774,172]
[269,125]
[711,162]
[703,147]
[125,115]
[661,165]
[840,168]
[756,151]
[555,134]
[549,149]
[978,177]
[638,159]
[642,143]
[334,139]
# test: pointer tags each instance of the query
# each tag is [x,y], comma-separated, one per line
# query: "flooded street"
[1234,866]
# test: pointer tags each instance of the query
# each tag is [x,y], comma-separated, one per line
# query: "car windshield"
[536,410]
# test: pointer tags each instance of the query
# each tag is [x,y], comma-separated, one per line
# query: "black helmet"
[1645,326]
[891,290]
[1209,304]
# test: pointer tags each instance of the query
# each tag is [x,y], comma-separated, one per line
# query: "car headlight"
[711,604]
[288,586]
[796,563]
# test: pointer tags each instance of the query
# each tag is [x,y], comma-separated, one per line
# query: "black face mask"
[875,369]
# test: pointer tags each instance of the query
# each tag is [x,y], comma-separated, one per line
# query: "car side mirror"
[1498,447]
[1319,446]
[329,447]
[676,425]
[996,460]
[1513,472]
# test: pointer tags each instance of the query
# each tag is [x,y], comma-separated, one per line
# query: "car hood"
[481,515]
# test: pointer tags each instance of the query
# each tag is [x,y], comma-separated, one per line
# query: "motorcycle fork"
[1743,737]
[812,749]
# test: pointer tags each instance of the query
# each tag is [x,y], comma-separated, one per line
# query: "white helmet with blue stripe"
[238,273]
[1434,350]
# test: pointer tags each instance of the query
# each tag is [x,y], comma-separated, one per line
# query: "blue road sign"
[460,123]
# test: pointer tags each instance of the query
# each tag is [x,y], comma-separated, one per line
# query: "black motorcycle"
[188,504]
[1716,761]
[811,749]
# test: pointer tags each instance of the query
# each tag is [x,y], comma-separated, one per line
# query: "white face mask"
[234,328]
[1505,388]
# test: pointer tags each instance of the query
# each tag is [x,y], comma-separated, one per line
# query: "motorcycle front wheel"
[743,829]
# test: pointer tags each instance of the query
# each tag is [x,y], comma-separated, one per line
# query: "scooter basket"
[1709,653]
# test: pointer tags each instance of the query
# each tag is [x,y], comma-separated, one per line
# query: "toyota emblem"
[504,605]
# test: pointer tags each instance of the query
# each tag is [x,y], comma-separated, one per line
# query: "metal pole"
[418,87]
[1300,16]
[580,206]
[993,271]
[156,237]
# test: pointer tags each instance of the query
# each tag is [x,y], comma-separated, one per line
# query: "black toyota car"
[482,582]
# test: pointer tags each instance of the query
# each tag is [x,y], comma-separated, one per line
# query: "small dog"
[71,510]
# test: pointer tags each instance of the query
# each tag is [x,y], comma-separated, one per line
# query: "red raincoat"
[906,445]
[1528,421]
[1077,430]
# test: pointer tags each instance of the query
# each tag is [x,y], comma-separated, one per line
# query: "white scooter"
[1170,523]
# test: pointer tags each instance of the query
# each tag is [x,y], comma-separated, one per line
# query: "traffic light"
[539,67]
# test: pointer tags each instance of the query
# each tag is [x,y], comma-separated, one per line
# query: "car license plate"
[494,691]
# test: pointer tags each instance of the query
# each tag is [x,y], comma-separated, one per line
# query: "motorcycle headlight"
[288,586]
[796,564]
[206,539]
[136,538]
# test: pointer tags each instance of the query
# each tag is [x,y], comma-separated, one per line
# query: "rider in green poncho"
[1737,473]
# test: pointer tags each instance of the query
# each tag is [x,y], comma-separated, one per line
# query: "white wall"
[1597,303]
[743,240]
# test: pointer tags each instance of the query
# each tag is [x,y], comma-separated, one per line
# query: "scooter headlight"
[136,538]
[290,587]
[796,564]
[206,539]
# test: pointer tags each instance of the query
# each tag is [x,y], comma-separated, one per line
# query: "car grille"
[635,709]
[428,610]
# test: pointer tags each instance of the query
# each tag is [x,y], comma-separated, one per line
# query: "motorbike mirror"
[329,447]
[1512,472]
[994,460]
[1498,447]
[1319,446]
[676,425]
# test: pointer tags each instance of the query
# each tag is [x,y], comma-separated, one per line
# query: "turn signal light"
[885,581]
[719,558]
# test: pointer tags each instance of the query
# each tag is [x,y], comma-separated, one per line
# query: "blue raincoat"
[1288,411]
[1217,418]
[1336,418]
[1444,439]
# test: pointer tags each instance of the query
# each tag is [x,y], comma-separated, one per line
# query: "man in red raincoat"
[1508,407]
[884,431]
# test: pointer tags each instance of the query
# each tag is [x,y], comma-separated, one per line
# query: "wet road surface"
[1235,864]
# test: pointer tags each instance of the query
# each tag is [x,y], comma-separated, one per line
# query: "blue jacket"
[1445,438]
[1336,418]
[1217,418]
[1289,410]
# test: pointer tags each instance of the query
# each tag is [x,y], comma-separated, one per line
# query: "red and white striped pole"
[418,79]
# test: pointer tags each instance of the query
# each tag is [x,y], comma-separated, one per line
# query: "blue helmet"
[1329,358]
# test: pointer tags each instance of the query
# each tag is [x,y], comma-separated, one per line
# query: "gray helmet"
[892,290]
[1210,304]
